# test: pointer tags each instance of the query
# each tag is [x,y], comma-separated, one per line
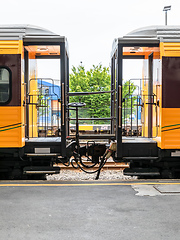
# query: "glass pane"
[4,85]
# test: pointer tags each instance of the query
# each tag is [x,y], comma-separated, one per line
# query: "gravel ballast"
[69,175]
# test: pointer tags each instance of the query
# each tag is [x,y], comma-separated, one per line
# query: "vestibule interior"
[42,78]
[141,92]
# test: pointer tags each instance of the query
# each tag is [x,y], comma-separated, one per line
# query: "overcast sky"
[89,25]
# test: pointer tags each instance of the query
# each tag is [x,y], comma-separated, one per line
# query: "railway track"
[110,165]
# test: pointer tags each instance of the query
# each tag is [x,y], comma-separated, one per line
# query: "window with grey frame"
[5,77]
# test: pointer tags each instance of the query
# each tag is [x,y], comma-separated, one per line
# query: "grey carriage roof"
[27,32]
[31,34]
[150,34]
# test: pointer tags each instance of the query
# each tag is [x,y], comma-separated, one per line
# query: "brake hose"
[101,166]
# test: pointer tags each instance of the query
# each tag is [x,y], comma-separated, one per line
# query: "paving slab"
[169,189]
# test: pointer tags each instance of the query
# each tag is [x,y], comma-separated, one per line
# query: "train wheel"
[167,173]
[15,174]
[36,177]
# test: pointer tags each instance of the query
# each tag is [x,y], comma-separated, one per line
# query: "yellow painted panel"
[170,130]
[158,129]
[12,130]
[170,117]
[157,114]
[33,89]
[33,117]
[168,49]
[85,127]
[144,93]
[11,47]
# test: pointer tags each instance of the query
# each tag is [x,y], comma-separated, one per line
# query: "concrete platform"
[89,210]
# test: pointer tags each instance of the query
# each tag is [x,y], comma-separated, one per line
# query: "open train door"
[133,47]
[64,75]
[150,95]
[49,46]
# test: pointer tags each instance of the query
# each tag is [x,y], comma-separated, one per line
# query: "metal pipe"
[45,113]
[131,116]
[32,117]
[165,17]
[119,72]
[124,113]
[88,93]
[42,114]
[77,129]
[27,116]
[126,108]
[137,115]
[62,104]
[58,115]
[112,94]
[92,118]
[38,118]
[119,105]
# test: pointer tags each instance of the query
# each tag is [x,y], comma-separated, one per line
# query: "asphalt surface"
[83,210]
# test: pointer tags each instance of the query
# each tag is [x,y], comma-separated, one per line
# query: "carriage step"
[41,154]
[141,172]
[41,170]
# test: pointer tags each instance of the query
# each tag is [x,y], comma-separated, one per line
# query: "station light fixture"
[165,9]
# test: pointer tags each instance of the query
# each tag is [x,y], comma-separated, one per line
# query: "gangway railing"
[92,118]
[136,101]
[43,108]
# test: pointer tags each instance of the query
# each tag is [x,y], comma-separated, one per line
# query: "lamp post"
[166,8]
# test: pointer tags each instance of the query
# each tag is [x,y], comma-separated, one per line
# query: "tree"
[128,96]
[128,89]
[96,79]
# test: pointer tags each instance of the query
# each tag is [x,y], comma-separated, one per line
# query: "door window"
[4,85]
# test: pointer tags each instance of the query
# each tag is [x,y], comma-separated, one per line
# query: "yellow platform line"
[82,184]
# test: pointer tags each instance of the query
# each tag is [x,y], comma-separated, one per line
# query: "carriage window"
[4,85]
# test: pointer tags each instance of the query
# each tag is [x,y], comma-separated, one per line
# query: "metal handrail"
[88,93]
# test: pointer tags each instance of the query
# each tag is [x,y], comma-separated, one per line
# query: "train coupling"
[111,150]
